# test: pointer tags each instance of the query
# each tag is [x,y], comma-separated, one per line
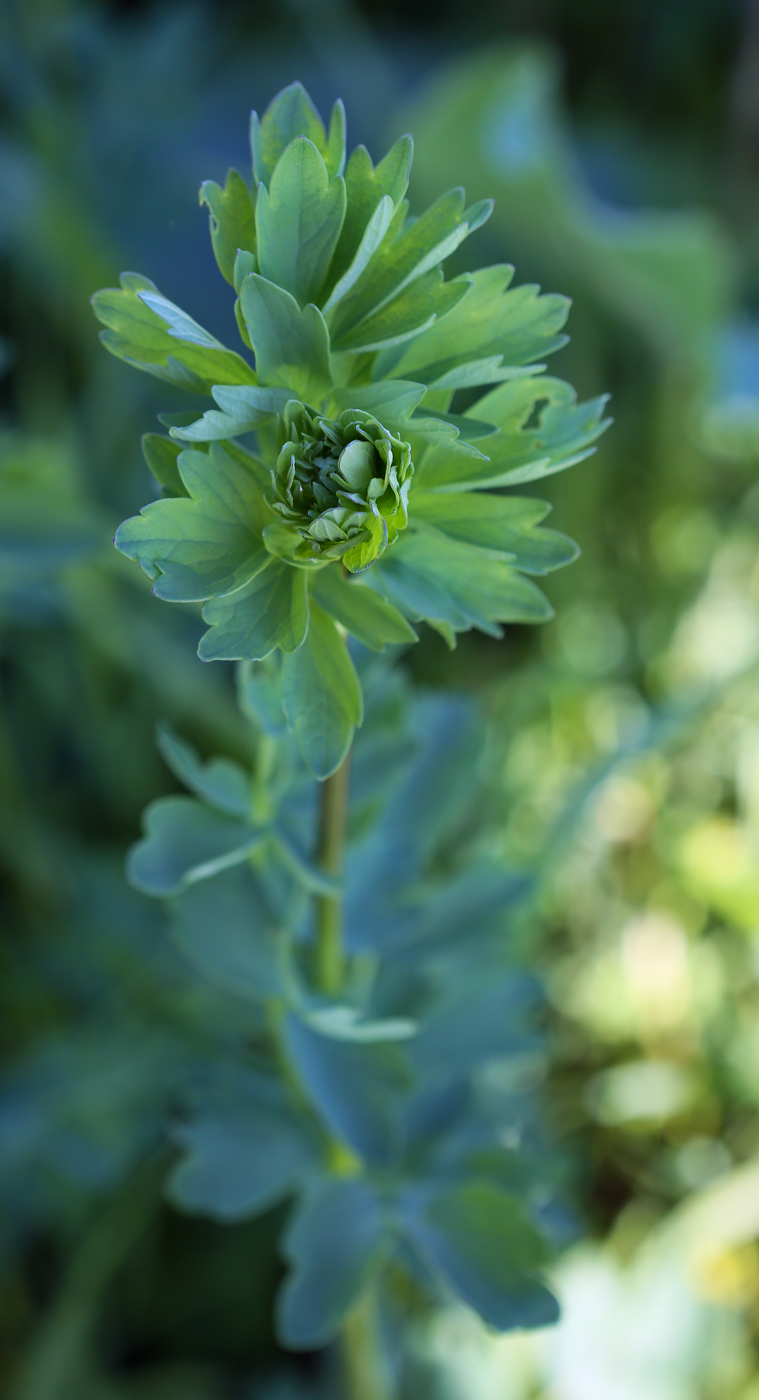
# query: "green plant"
[331,495]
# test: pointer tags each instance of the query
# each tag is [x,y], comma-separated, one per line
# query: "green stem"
[364,1365]
[330,959]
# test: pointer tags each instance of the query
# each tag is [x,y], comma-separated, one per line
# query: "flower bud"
[342,485]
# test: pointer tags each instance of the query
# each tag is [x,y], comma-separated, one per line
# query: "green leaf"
[161,454]
[478,1239]
[374,233]
[241,1156]
[291,345]
[562,436]
[186,841]
[148,331]
[518,326]
[242,409]
[333,1243]
[321,695]
[355,1086]
[289,115]
[232,219]
[445,581]
[391,401]
[298,221]
[259,694]
[506,524]
[222,783]
[205,544]
[407,253]
[366,187]
[271,611]
[428,298]
[361,610]
[225,929]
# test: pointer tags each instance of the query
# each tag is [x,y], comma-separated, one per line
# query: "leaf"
[306,871]
[407,253]
[518,326]
[438,578]
[186,841]
[563,436]
[242,1156]
[333,1243]
[507,524]
[161,454]
[289,115]
[477,1238]
[348,1023]
[321,695]
[232,219]
[225,929]
[476,1023]
[361,610]
[259,695]
[354,1086]
[205,544]
[271,611]
[242,409]
[222,783]
[427,298]
[366,187]
[298,221]
[148,331]
[373,235]
[391,401]
[291,345]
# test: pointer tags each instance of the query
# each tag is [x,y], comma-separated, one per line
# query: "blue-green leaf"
[150,332]
[242,409]
[354,1086]
[209,542]
[321,695]
[392,401]
[374,233]
[259,694]
[161,455]
[220,782]
[298,221]
[429,297]
[232,218]
[366,187]
[506,524]
[243,1154]
[186,841]
[291,345]
[226,930]
[289,115]
[271,611]
[361,610]
[333,1243]
[478,1239]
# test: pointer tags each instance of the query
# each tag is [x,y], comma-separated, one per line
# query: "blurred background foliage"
[621,144]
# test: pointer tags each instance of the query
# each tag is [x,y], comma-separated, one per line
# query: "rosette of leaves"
[347,319]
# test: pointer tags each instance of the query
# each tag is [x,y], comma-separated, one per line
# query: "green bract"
[342,486]
[301,467]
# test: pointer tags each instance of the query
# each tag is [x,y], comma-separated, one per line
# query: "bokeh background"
[621,143]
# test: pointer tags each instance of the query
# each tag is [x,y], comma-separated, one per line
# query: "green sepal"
[269,612]
[321,694]
[161,455]
[208,542]
[232,220]
[148,331]
[298,221]
[361,610]
[289,115]
[291,345]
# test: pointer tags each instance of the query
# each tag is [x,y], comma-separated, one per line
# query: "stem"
[364,1365]
[333,817]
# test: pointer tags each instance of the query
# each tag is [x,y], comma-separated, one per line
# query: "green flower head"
[341,484]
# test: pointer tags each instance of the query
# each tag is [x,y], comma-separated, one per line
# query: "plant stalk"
[329,966]
[364,1366]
